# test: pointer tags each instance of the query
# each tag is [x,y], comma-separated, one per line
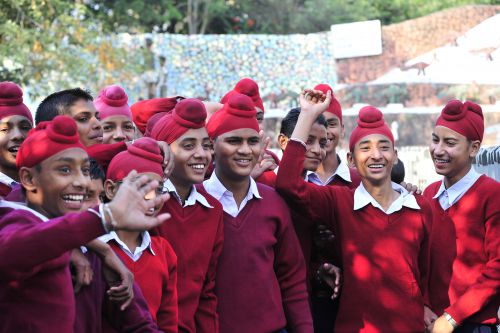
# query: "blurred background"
[406,57]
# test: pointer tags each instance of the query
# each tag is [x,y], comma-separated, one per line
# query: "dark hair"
[398,172]
[58,103]
[96,172]
[288,123]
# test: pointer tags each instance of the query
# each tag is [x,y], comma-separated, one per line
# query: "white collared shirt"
[145,244]
[406,199]
[448,197]
[194,195]
[215,188]
[7,180]
[23,206]
[342,171]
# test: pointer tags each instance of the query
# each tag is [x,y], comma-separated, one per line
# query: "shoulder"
[489,184]
[161,244]
[431,190]
[210,199]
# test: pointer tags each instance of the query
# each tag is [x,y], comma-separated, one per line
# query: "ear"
[28,179]
[474,148]
[350,160]
[283,141]
[110,189]
[396,158]
[342,132]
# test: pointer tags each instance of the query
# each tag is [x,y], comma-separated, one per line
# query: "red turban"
[11,101]
[48,139]
[334,106]
[152,122]
[238,112]
[143,156]
[143,110]
[187,114]
[247,87]
[112,101]
[370,121]
[465,119]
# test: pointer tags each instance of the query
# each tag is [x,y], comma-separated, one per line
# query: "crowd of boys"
[171,215]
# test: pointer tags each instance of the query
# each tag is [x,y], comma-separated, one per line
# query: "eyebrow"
[72,160]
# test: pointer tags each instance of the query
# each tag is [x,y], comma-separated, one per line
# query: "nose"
[17,134]
[315,148]
[81,181]
[96,124]
[376,154]
[244,148]
[119,135]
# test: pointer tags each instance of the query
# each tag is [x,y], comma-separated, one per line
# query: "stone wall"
[406,40]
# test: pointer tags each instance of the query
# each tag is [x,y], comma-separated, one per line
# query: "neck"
[12,173]
[449,181]
[37,207]
[328,166]
[183,189]
[238,187]
[132,239]
[383,193]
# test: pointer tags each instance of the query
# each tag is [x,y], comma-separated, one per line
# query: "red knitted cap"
[238,112]
[464,118]
[48,139]
[370,121]
[334,106]
[188,114]
[112,101]
[11,101]
[143,110]
[143,155]
[247,87]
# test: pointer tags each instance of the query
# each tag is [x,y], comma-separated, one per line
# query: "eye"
[86,171]
[107,128]
[128,127]
[82,119]
[64,169]
[4,129]
[254,141]
[188,146]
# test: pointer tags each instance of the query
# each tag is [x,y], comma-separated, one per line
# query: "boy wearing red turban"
[15,123]
[151,259]
[115,115]
[261,274]
[36,289]
[465,281]
[196,227]
[383,230]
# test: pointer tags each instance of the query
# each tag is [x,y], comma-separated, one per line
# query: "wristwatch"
[450,319]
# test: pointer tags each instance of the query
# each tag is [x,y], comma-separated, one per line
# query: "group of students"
[172,215]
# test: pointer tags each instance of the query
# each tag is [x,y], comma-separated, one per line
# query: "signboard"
[356,39]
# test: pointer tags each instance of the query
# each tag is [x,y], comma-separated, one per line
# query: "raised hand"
[265,162]
[129,207]
[314,102]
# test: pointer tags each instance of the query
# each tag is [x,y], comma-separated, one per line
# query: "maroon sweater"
[36,293]
[261,275]
[465,270]
[385,258]
[196,235]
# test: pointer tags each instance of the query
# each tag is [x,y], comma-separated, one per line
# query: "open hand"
[265,162]
[314,102]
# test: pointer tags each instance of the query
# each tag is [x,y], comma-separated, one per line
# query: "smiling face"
[315,147]
[452,154]
[59,184]
[374,156]
[192,156]
[236,154]
[13,131]
[87,121]
[334,130]
[117,129]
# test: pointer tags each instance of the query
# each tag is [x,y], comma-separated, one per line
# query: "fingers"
[126,303]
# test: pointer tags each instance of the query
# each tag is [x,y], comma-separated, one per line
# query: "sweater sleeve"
[290,270]
[309,200]
[487,286]
[103,153]
[168,314]
[206,317]
[134,319]
[26,243]
[267,178]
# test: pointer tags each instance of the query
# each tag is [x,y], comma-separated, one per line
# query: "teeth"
[198,166]
[441,161]
[376,166]
[14,149]
[73,197]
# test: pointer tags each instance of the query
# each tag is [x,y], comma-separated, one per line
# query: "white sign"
[357,39]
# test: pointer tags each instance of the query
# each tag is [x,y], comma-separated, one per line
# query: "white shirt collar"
[448,197]
[342,171]
[23,206]
[194,195]
[6,179]
[145,244]
[216,189]
[363,198]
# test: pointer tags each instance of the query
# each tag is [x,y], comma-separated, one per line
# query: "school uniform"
[36,293]
[261,275]
[196,234]
[385,254]
[6,185]
[465,271]
[154,265]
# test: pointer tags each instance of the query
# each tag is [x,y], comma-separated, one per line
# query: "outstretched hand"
[129,207]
